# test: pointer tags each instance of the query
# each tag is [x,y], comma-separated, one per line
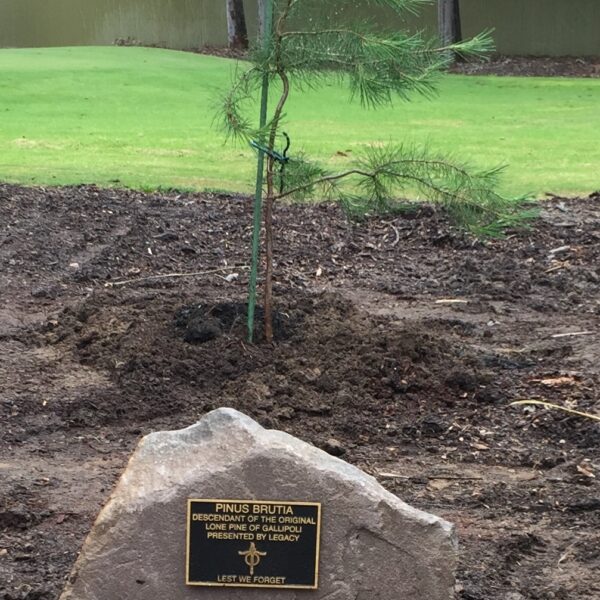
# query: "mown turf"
[144,118]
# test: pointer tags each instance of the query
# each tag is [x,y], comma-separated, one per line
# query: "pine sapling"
[305,44]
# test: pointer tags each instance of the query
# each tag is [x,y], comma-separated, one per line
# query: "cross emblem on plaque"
[252,557]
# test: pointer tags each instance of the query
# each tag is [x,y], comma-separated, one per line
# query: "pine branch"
[230,114]
[400,6]
[378,66]
[382,175]
[320,181]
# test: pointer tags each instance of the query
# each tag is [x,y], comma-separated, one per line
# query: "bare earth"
[401,338]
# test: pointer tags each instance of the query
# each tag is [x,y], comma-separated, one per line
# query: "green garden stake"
[268,27]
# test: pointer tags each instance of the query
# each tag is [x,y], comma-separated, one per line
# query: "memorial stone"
[228,510]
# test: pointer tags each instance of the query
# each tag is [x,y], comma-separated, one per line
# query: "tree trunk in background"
[261,19]
[236,25]
[449,21]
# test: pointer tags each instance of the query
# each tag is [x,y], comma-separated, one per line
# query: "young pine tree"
[306,44]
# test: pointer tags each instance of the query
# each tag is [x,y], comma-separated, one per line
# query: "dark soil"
[400,344]
[533,66]
[498,64]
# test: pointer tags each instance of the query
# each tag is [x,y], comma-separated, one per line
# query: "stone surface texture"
[373,546]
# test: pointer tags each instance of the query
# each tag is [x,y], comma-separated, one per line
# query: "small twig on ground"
[556,268]
[452,301]
[386,475]
[175,275]
[574,334]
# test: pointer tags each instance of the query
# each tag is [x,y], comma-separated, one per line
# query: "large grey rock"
[373,546]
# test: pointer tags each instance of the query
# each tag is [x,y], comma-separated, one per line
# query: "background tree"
[449,21]
[264,6]
[236,25]
[306,45]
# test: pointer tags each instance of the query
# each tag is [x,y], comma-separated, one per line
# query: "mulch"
[400,342]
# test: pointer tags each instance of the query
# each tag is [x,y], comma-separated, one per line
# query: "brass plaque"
[253,543]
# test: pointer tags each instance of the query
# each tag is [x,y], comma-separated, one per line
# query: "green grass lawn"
[144,118]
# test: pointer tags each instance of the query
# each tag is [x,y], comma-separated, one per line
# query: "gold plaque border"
[251,585]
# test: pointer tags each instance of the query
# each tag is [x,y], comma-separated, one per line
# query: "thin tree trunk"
[268,222]
[261,19]
[457,22]
[269,210]
[236,25]
[449,21]
[269,251]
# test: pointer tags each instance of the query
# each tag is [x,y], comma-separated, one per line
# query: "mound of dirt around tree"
[331,360]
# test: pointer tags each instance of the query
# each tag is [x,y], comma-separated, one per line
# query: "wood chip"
[560,250]
[586,472]
[556,381]
[452,301]
[478,446]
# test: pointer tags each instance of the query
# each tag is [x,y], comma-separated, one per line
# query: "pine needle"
[556,407]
